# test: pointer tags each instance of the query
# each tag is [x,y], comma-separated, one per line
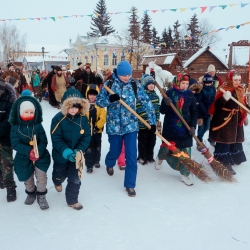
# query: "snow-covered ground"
[165,214]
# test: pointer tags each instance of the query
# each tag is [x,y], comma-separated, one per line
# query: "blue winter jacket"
[120,121]
[205,99]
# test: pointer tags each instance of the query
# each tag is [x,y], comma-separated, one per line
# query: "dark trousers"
[203,128]
[93,152]
[115,149]
[61,171]
[6,167]
[146,144]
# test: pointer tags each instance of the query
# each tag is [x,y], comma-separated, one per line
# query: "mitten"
[66,153]
[114,97]
[167,101]
[72,157]
[227,95]
[95,130]
[192,131]
[200,121]
[32,155]
[153,129]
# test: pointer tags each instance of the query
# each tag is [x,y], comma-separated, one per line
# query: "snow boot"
[131,192]
[158,163]
[143,162]
[30,198]
[58,188]
[151,160]
[212,143]
[186,180]
[11,194]
[89,170]
[41,200]
[97,165]
[76,206]
[110,171]
[122,167]
[230,169]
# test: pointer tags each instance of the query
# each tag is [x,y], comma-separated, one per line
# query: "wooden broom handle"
[235,100]
[134,113]
[177,113]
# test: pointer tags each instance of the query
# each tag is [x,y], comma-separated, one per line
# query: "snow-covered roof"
[53,56]
[159,59]
[110,39]
[200,52]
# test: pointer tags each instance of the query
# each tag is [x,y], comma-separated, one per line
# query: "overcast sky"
[60,31]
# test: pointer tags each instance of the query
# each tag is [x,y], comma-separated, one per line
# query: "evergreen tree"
[176,32]
[164,36]
[134,25]
[100,25]
[193,29]
[146,34]
[155,39]
[134,37]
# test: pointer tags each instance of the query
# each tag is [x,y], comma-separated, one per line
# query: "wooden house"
[201,59]
[169,62]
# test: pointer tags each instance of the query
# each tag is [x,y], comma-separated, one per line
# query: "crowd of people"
[86,106]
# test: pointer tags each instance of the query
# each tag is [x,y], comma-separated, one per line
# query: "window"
[122,57]
[114,60]
[106,60]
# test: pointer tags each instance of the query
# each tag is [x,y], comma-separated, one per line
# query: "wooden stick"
[178,114]
[35,147]
[235,100]
[134,113]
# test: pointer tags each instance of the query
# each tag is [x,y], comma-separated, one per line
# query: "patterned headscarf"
[179,78]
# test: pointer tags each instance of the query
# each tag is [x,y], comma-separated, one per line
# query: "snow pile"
[165,214]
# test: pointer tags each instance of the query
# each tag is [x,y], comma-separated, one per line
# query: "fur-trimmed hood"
[68,103]
[196,87]
[15,110]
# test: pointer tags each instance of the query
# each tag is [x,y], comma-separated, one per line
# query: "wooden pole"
[235,100]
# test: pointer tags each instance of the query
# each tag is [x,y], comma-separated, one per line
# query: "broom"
[193,167]
[220,170]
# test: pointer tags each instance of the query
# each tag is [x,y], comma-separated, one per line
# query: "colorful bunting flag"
[203,9]
[182,9]
[244,4]
[223,6]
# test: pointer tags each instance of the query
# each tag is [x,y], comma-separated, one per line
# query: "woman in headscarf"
[226,127]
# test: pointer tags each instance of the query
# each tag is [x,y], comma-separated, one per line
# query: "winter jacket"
[21,134]
[173,129]
[154,98]
[99,119]
[119,120]
[88,78]
[65,129]
[232,132]
[6,101]
[35,80]
[205,98]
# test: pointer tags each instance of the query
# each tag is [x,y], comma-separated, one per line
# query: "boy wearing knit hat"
[70,132]
[205,99]
[123,125]
[97,118]
[29,140]
[7,98]
[146,140]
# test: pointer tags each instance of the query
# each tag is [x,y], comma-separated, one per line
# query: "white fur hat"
[211,68]
[26,105]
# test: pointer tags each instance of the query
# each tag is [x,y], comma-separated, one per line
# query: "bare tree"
[210,39]
[12,43]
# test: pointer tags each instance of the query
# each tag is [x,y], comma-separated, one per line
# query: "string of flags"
[201,8]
